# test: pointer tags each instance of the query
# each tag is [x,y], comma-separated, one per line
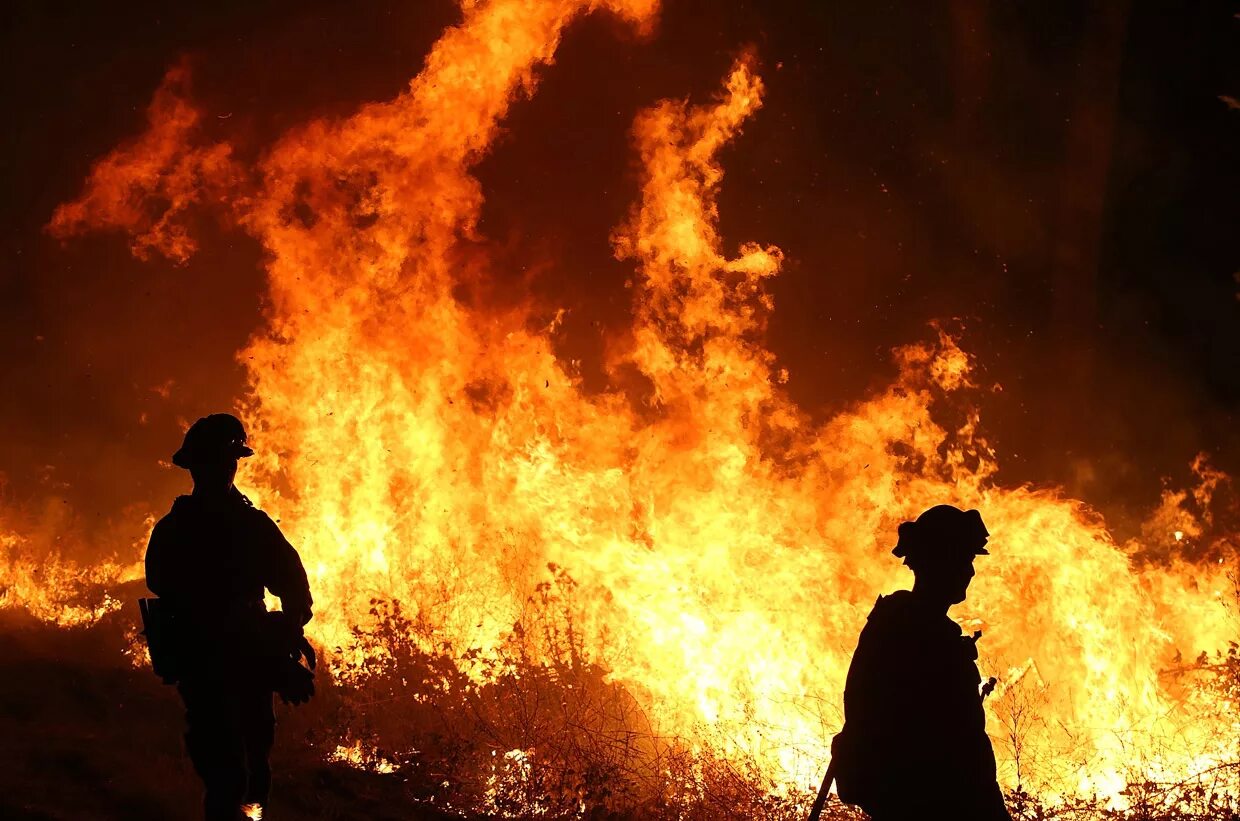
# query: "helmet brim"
[904,552]
[187,458]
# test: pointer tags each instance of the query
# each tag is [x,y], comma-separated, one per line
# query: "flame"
[720,549]
[36,576]
[362,757]
[158,165]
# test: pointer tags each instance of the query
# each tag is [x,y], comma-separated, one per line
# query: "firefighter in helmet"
[914,743]
[208,561]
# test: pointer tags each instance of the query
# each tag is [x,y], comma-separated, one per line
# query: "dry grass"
[90,736]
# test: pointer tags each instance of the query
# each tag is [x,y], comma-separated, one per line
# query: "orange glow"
[160,166]
[36,576]
[724,549]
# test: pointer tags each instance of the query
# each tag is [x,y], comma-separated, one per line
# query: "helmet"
[214,437]
[943,530]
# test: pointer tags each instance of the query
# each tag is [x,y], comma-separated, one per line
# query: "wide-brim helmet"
[945,531]
[211,439]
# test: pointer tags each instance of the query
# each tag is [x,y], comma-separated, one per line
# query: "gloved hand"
[304,649]
[296,683]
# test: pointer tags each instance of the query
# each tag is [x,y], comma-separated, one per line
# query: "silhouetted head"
[939,548]
[210,451]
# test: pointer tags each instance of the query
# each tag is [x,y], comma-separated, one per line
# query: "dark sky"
[1061,176]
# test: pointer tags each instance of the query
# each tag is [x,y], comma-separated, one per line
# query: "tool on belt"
[159,630]
[278,646]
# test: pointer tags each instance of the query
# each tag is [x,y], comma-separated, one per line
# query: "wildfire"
[720,550]
[359,756]
[36,577]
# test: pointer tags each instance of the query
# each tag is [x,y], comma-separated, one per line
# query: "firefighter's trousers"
[230,727]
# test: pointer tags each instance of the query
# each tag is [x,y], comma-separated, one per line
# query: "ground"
[88,738]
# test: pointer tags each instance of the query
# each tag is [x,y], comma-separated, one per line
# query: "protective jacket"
[209,562]
[914,741]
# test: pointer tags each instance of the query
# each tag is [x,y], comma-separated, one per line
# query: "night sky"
[1059,177]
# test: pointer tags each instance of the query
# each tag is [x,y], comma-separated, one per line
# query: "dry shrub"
[536,730]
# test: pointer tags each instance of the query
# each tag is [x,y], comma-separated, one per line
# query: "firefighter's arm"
[157,571]
[285,576]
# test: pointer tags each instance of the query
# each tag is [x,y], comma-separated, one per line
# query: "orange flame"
[127,189]
[725,549]
[36,576]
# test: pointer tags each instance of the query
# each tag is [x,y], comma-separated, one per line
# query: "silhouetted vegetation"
[533,730]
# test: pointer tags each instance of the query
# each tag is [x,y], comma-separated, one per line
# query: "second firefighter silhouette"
[208,561]
[914,743]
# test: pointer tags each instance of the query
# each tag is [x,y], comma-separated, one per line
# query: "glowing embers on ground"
[359,755]
[700,541]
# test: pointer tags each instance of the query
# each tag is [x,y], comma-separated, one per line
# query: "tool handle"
[823,792]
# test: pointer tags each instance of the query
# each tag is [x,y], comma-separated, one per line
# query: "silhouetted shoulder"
[175,514]
[161,548]
[259,518]
[261,525]
[893,617]
[901,614]
[893,608]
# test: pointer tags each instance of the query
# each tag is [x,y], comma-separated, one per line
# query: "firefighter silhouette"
[208,561]
[914,743]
